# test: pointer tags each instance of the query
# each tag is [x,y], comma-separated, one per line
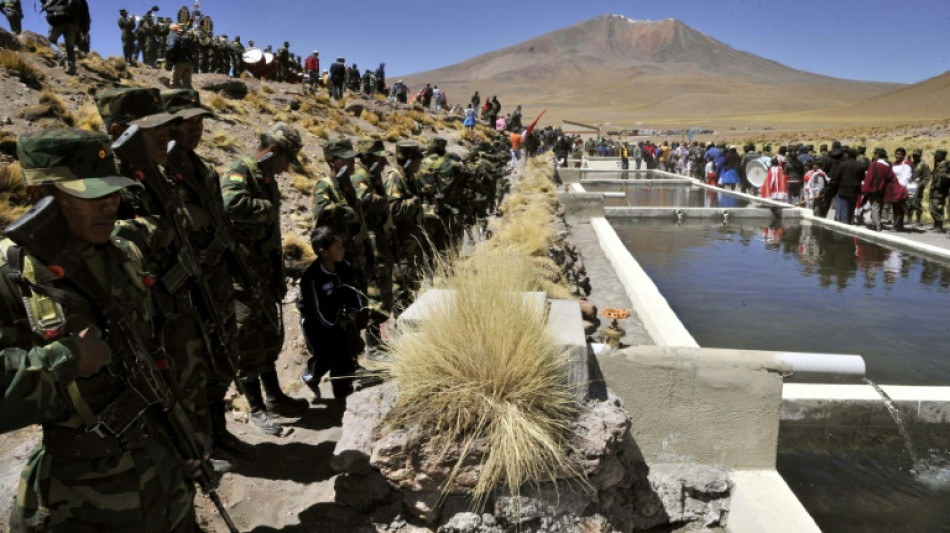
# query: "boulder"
[234,89]
[354,107]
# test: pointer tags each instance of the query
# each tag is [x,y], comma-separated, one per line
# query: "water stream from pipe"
[898,419]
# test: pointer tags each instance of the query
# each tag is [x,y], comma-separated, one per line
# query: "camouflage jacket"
[251,201]
[127,25]
[922,174]
[336,204]
[404,206]
[372,197]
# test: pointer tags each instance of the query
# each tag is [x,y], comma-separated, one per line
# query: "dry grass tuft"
[21,68]
[303,184]
[89,118]
[322,99]
[370,117]
[296,248]
[396,133]
[420,117]
[483,371]
[258,102]
[13,201]
[221,140]
[221,105]
[267,89]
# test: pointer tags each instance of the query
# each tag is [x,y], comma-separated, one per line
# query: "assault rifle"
[43,233]
[272,248]
[130,146]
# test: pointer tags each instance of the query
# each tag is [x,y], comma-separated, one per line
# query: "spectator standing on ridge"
[312,69]
[469,122]
[127,26]
[337,77]
[64,20]
[14,13]
[495,110]
[180,53]
[476,101]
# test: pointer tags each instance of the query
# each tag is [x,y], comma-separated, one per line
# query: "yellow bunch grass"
[396,133]
[296,248]
[221,140]
[221,105]
[303,184]
[13,202]
[89,118]
[482,369]
[22,68]
[370,117]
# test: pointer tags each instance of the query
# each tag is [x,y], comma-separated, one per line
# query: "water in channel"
[796,287]
[664,195]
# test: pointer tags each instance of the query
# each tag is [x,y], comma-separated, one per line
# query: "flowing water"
[898,419]
[802,288]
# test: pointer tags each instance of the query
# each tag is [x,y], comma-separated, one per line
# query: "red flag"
[527,132]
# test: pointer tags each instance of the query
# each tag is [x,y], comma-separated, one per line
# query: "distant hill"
[615,68]
[926,100]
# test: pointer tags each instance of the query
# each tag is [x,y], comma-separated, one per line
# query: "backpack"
[58,11]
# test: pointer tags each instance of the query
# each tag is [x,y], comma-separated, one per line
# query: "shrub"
[21,68]
[13,202]
[222,141]
[89,118]
[370,117]
[303,184]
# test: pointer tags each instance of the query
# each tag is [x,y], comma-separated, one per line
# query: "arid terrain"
[609,69]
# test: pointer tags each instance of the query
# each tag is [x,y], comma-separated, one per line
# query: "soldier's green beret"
[285,138]
[367,146]
[408,150]
[185,103]
[133,106]
[342,148]
[77,162]
[437,143]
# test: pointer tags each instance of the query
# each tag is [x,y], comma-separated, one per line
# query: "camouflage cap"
[408,150]
[286,139]
[77,162]
[133,106]
[367,146]
[340,147]
[185,103]
[437,143]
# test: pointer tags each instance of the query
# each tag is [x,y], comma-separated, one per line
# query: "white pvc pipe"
[610,194]
[823,363]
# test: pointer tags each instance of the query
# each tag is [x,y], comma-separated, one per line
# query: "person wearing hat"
[237,57]
[62,374]
[312,69]
[367,180]
[252,204]
[127,27]
[335,204]
[405,208]
[939,188]
[180,53]
[198,186]
[437,182]
[921,179]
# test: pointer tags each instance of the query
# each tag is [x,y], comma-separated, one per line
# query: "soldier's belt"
[79,444]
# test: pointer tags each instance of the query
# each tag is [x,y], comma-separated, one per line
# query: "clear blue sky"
[882,40]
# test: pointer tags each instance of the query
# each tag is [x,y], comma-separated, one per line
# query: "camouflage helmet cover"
[133,106]
[408,150]
[285,138]
[368,146]
[338,147]
[77,162]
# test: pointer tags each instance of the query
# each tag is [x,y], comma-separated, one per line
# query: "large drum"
[757,170]
[254,61]
[270,64]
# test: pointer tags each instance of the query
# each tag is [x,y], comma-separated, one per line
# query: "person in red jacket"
[312,69]
[881,186]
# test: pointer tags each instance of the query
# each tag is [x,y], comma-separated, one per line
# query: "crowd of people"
[143,285]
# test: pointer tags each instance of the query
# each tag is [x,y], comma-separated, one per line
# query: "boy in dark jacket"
[329,306]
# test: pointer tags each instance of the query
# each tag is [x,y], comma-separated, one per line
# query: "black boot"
[259,418]
[278,402]
[222,439]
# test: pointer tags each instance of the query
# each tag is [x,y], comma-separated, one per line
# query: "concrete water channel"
[706,269]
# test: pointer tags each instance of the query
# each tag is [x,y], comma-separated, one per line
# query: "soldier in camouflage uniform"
[252,203]
[151,41]
[162,28]
[405,208]
[371,193]
[939,188]
[335,203]
[222,50]
[200,191]
[436,183]
[922,177]
[179,320]
[58,372]
[237,57]
[204,52]
[127,25]
[283,62]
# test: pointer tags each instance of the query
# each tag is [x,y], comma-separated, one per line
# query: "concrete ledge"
[688,408]
[637,181]
[582,204]
[694,213]
[566,326]
[762,501]
[654,311]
